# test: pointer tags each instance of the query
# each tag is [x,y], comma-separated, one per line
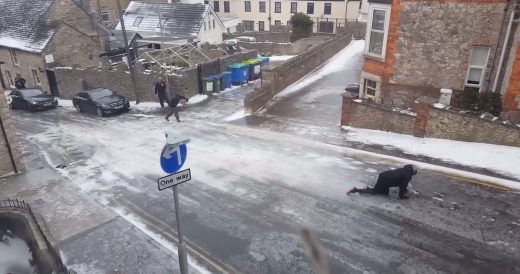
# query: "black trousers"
[162,99]
[173,110]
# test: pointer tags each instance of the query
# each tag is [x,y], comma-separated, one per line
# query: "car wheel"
[28,107]
[99,112]
[77,107]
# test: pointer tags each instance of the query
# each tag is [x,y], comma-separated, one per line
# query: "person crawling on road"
[391,178]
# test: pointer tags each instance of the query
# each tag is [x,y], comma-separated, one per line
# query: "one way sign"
[174,179]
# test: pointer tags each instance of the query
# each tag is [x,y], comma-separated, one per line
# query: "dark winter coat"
[174,101]
[160,88]
[394,178]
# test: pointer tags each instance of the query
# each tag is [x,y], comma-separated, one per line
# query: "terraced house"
[417,47]
[266,15]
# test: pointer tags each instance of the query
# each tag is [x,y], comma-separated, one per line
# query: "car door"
[82,101]
[90,105]
[17,100]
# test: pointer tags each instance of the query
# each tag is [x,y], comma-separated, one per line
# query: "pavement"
[257,182]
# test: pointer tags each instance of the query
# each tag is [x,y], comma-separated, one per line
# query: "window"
[226,6]
[105,16]
[326,26]
[14,57]
[247,6]
[249,25]
[477,66]
[370,88]
[216,6]
[278,7]
[328,8]
[161,23]
[36,76]
[294,7]
[206,2]
[138,21]
[123,11]
[262,6]
[310,8]
[377,30]
[261,26]
[9,78]
[289,23]
[277,22]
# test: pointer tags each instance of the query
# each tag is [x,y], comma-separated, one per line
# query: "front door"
[326,27]
[53,84]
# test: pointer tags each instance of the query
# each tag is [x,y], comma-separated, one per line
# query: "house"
[38,35]
[268,15]
[180,22]
[10,152]
[415,48]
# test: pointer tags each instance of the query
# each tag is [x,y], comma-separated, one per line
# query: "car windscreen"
[100,93]
[31,92]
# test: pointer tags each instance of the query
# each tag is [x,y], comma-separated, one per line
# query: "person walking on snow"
[172,103]
[160,90]
[19,81]
[391,178]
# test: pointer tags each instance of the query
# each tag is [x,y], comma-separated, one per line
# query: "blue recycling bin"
[264,60]
[227,79]
[239,73]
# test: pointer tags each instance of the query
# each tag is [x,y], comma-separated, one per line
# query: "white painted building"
[259,15]
[171,22]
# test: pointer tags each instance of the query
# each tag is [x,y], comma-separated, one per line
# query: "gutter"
[503,53]
[13,163]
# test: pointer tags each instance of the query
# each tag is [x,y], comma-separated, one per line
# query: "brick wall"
[74,43]
[428,122]
[26,62]
[6,165]
[276,79]
[512,92]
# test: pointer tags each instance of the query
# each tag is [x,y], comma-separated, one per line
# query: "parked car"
[100,101]
[31,99]
[353,88]
[231,42]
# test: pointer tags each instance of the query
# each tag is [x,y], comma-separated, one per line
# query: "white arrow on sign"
[174,179]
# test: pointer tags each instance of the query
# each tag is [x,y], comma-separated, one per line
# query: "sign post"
[173,157]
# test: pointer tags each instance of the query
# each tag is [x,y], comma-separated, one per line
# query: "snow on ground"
[502,159]
[281,57]
[197,99]
[66,103]
[145,106]
[235,116]
[336,63]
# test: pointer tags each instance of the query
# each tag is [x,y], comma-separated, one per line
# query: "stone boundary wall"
[271,48]
[428,122]
[186,82]
[6,165]
[274,80]
[277,37]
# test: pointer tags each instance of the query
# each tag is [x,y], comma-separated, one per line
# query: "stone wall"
[428,122]
[276,37]
[302,45]
[6,165]
[435,52]
[276,79]
[185,82]
[26,62]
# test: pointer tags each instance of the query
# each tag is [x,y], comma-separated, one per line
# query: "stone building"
[10,153]
[415,48]
[38,35]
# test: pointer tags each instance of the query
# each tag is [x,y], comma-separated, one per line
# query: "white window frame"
[36,76]
[14,56]
[261,26]
[365,88]
[107,14]
[483,68]
[387,10]
[295,7]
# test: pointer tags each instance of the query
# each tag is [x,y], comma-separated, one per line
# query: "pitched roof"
[181,20]
[24,24]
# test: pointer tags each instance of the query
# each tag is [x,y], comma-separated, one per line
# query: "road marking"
[165,230]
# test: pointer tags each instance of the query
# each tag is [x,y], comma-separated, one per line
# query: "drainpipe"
[13,163]
[503,53]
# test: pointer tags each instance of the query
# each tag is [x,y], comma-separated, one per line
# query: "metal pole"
[161,26]
[183,258]
[129,59]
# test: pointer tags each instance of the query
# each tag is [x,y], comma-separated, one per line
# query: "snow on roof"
[179,19]
[24,24]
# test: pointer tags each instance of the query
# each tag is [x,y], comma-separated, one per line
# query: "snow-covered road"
[255,187]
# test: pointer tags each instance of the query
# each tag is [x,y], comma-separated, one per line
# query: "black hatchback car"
[100,101]
[31,99]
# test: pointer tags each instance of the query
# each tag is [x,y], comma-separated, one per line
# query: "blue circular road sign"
[173,157]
